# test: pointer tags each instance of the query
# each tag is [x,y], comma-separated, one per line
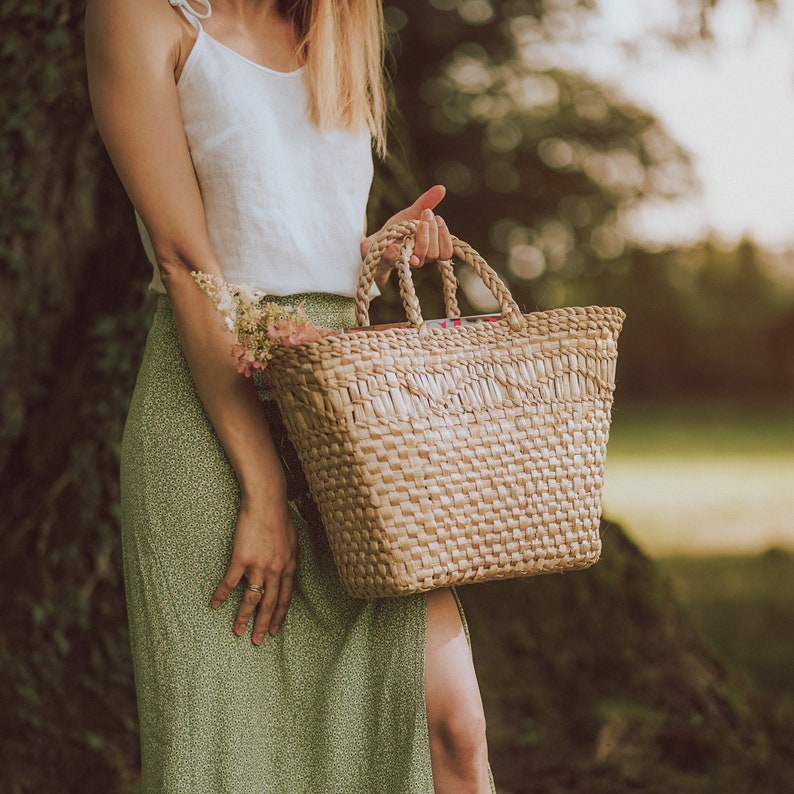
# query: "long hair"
[341,43]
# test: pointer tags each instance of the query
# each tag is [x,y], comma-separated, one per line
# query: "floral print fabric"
[335,702]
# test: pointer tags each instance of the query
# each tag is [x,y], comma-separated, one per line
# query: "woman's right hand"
[264,555]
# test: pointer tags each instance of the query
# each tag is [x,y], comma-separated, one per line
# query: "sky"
[731,105]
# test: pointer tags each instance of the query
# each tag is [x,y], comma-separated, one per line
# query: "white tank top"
[284,201]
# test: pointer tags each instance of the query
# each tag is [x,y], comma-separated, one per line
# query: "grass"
[744,606]
[702,479]
[707,490]
[697,429]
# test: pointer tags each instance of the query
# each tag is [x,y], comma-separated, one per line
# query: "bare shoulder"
[150,33]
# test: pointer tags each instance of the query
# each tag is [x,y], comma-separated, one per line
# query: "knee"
[461,737]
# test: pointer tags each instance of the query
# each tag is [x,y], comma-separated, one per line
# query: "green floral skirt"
[334,704]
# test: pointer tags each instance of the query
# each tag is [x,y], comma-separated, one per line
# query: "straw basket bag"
[442,457]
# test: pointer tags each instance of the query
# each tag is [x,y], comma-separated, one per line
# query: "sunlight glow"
[729,103]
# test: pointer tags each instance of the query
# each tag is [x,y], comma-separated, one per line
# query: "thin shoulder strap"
[193,16]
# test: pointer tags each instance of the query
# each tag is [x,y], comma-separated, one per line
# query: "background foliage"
[597,677]
[542,164]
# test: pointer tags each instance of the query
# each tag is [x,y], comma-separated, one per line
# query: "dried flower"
[297,329]
[259,325]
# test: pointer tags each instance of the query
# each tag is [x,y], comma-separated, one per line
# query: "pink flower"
[297,329]
[301,335]
[246,363]
[294,328]
[281,329]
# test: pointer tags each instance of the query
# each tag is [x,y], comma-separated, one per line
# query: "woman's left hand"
[433,239]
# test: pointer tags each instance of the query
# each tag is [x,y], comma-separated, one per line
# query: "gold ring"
[256,588]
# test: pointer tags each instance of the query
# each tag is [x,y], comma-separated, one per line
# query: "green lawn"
[744,606]
[695,428]
[709,492]
[702,479]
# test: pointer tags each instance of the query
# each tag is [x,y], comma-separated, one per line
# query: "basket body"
[444,457]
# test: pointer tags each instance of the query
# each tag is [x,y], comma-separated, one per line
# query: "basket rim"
[367,333]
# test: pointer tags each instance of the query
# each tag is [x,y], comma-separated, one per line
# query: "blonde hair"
[342,45]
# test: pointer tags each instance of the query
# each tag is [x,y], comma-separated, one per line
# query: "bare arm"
[132,51]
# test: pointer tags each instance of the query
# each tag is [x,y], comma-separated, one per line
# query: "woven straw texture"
[442,457]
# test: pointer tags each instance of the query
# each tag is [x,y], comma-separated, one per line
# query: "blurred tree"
[703,323]
[541,164]
[538,161]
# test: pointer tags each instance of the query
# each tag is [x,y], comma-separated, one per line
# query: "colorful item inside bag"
[520,402]
[446,322]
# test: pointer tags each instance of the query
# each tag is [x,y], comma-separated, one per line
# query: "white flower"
[226,303]
[248,296]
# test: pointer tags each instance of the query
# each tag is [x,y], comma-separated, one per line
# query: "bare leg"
[455,718]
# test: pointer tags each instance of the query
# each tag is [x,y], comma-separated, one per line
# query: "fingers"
[389,256]
[433,240]
[266,607]
[426,246]
[270,600]
[429,200]
[230,581]
[274,605]
[444,239]
[264,559]
[251,598]
[284,600]
[386,264]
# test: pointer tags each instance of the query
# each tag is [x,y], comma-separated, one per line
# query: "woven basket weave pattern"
[445,456]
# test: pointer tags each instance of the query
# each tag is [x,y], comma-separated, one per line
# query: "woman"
[242,134]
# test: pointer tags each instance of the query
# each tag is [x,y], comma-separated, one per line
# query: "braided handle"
[406,232]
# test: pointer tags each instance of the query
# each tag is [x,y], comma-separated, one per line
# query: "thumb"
[429,200]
